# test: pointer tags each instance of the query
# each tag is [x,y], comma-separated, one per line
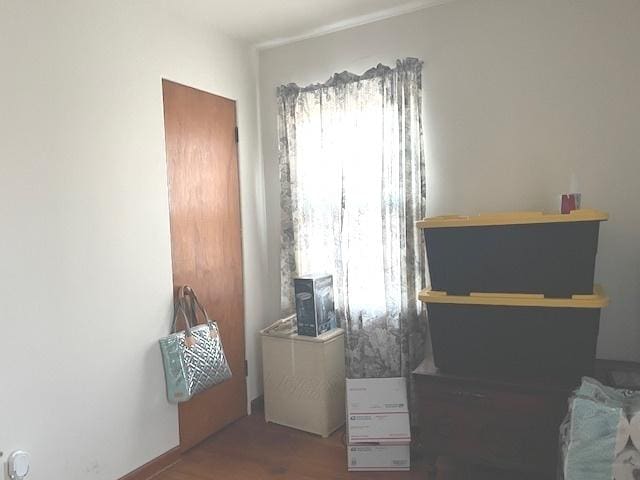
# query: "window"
[352,180]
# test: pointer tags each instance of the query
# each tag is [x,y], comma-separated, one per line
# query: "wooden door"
[206,242]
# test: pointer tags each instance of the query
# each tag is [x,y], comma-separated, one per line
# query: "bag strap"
[179,308]
[190,294]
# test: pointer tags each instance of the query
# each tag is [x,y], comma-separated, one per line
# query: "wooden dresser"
[495,422]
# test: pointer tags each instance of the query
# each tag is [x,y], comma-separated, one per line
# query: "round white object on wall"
[19,464]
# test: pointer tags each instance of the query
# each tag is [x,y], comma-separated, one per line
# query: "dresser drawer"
[476,396]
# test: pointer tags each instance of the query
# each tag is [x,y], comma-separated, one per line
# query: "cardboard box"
[314,304]
[369,458]
[380,428]
[376,395]
[377,411]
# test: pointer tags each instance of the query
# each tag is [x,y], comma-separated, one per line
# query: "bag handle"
[179,308]
[189,293]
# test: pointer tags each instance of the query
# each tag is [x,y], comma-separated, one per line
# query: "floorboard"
[252,449]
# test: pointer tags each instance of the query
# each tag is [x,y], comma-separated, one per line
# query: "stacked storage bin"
[513,294]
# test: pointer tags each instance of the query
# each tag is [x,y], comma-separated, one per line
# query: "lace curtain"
[352,175]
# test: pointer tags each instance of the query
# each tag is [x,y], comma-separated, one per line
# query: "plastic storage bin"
[522,252]
[514,335]
[304,378]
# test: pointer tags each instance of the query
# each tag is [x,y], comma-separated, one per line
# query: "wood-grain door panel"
[206,240]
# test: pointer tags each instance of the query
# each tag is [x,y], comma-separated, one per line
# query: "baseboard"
[257,405]
[155,466]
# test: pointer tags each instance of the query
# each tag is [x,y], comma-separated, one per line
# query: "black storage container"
[515,335]
[522,252]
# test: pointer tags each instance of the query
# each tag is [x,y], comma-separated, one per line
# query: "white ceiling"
[271,22]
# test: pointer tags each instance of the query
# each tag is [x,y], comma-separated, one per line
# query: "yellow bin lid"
[597,300]
[512,218]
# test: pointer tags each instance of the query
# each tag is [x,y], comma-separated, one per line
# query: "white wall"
[519,96]
[86,266]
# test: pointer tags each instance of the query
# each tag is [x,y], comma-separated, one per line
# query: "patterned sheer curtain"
[352,176]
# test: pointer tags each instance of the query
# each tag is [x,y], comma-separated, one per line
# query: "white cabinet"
[304,379]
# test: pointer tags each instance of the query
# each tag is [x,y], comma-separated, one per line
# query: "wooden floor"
[251,449]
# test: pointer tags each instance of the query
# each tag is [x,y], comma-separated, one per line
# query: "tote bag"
[193,358]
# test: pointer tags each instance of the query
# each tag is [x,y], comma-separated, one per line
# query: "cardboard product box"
[377,411]
[377,395]
[368,458]
[380,428]
[314,304]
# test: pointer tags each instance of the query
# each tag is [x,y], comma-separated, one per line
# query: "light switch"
[19,465]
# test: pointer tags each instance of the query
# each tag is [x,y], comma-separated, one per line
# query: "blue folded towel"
[596,430]
[590,449]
